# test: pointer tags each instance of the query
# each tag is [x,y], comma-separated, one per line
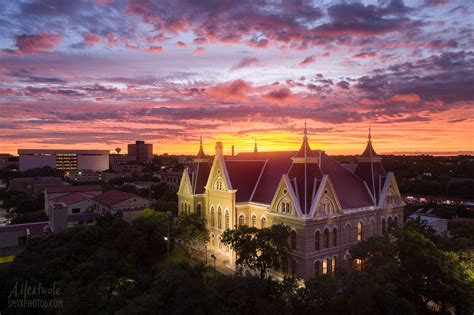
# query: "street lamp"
[167,238]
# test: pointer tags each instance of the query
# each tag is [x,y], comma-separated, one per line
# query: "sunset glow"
[101,74]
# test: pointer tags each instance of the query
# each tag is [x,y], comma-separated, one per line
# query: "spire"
[370,134]
[255,150]
[305,154]
[201,155]
[369,152]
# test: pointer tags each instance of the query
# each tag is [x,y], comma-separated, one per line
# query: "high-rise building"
[65,160]
[143,152]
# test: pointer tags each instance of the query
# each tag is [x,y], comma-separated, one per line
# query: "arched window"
[227,219]
[334,237]
[396,221]
[333,264]
[389,222]
[359,231]
[317,241]
[241,220]
[294,266]
[358,264]
[264,222]
[325,266]
[347,233]
[288,208]
[198,209]
[254,221]
[317,268]
[282,207]
[326,238]
[219,218]
[384,227]
[293,239]
[212,216]
[182,207]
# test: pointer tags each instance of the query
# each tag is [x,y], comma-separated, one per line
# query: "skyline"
[101,74]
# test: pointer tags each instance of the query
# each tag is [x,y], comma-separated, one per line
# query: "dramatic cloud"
[37,43]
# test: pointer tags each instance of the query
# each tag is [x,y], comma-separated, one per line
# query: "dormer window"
[219,185]
[326,207]
[285,207]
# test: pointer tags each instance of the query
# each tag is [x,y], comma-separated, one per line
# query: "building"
[116,201]
[4,157]
[328,208]
[57,192]
[85,176]
[439,225]
[66,160]
[34,185]
[127,169]
[120,159]
[171,179]
[141,151]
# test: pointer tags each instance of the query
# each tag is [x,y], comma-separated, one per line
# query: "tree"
[29,217]
[258,249]
[192,228]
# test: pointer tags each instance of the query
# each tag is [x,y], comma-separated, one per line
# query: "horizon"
[99,74]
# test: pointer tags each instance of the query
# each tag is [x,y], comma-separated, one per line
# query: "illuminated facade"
[65,160]
[328,208]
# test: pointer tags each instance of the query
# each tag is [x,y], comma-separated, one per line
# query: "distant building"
[120,159]
[116,201]
[4,159]
[143,152]
[127,169]
[13,163]
[84,176]
[56,192]
[66,160]
[171,179]
[34,185]
[439,225]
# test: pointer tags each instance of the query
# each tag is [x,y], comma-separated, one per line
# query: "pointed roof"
[201,154]
[305,154]
[369,152]
[200,171]
[255,149]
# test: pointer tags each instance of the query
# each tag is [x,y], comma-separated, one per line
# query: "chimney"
[232,150]
[219,148]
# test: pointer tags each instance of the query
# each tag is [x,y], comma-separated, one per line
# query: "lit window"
[359,231]
[227,219]
[333,265]
[358,264]
[325,266]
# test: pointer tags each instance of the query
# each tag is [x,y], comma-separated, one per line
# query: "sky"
[98,74]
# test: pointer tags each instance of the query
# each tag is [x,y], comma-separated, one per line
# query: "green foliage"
[192,228]
[258,249]
[29,217]
[22,203]
[409,263]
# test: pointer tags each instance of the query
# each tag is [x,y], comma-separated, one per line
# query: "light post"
[214,257]
[167,239]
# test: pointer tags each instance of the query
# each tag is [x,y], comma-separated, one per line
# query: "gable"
[390,194]
[219,176]
[185,184]
[326,202]
[285,201]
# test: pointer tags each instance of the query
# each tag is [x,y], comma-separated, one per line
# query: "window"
[254,221]
[334,237]
[389,222]
[325,266]
[182,207]
[264,222]
[317,268]
[287,207]
[359,231]
[358,264]
[76,210]
[383,226]
[241,220]
[227,219]
[212,216]
[396,221]
[219,218]
[293,239]
[333,264]
[198,209]
[317,241]
[219,184]
[326,238]
[294,266]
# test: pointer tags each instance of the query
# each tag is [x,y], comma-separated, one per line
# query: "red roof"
[113,197]
[36,228]
[73,198]
[69,188]
[199,174]
[304,178]
[244,176]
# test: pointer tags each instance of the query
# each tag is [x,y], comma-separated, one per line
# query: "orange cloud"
[155,49]
[199,51]
[236,90]
[405,98]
